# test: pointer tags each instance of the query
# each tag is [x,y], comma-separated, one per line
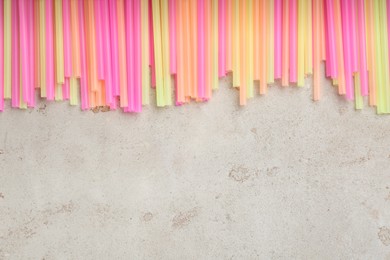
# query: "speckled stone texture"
[282,178]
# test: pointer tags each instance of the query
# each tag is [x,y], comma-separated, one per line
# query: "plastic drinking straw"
[201,49]
[362,47]
[129,18]
[194,49]
[75,37]
[138,56]
[122,50]
[36,45]
[243,65]
[309,39]
[15,55]
[7,49]
[256,39]
[221,38]
[67,47]
[24,49]
[114,47]
[353,37]
[158,52]
[42,47]
[180,98]
[50,81]
[145,52]
[293,40]
[371,53]
[236,36]
[151,44]
[271,44]
[385,56]
[250,48]
[228,35]
[172,35]
[209,59]
[331,43]
[263,64]
[74,91]
[316,49]
[278,38]
[106,47]
[83,59]
[99,39]
[91,50]
[186,49]
[215,30]
[339,47]
[379,63]
[59,42]
[301,42]
[285,42]
[31,47]
[358,96]
[347,50]
[1,55]
[323,45]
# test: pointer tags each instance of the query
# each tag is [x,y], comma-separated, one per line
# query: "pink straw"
[106,46]
[151,45]
[83,79]
[293,40]
[1,55]
[15,55]
[67,48]
[50,81]
[221,39]
[201,50]
[31,45]
[24,49]
[99,39]
[278,39]
[114,47]
[331,40]
[172,35]
[362,47]
[129,19]
[347,50]
[137,57]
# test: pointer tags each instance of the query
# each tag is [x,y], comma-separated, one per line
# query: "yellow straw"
[59,43]
[165,53]
[385,56]
[42,46]
[158,53]
[308,37]
[145,52]
[358,95]
[301,42]
[7,49]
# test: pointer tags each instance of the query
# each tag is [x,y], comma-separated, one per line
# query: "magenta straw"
[327,57]
[106,45]
[31,89]
[137,57]
[201,50]
[331,40]
[15,55]
[172,35]
[151,45]
[1,55]
[83,79]
[278,39]
[293,40]
[99,39]
[24,49]
[221,39]
[114,47]
[129,28]
[50,81]
[347,51]
[362,49]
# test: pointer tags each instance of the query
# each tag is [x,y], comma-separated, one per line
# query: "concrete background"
[281,178]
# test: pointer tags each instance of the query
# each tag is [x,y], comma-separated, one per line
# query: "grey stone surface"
[282,178]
